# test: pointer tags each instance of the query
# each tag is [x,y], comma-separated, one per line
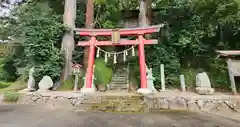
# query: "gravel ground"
[33,116]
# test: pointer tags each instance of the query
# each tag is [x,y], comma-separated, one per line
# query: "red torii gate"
[141,41]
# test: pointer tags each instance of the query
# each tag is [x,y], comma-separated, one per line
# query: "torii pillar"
[141,41]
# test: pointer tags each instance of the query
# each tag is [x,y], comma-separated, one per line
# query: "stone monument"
[203,84]
[45,84]
[31,80]
[150,79]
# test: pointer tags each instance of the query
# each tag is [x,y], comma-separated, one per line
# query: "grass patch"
[10,96]
[67,85]
[4,85]
[15,86]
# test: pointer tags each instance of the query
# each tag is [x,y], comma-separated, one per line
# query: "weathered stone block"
[163,104]
[208,106]
[59,102]
[42,100]
[25,99]
[223,107]
[204,91]
[192,105]
[237,106]
[200,103]
[177,103]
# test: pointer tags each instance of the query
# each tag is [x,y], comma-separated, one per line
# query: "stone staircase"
[121,104]
[119,80]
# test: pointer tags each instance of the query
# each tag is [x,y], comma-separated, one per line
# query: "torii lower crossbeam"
[107,32]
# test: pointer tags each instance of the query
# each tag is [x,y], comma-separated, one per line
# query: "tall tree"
[68,39]
[89,24]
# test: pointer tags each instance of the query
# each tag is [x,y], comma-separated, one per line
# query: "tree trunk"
[89,24]
[149,11]
[145,13]
[68,39]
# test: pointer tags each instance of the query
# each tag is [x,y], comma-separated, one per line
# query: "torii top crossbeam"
[124,31]
[116,40]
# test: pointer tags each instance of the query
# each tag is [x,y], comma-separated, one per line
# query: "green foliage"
[41,32]
[16,86]
[4,85]
[11,96]
[67,85]
[193,30]
[102,73]
[7,69]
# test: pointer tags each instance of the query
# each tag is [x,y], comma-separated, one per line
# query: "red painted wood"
[90,63]
[122,42]
[123,32]
[126,31]
[142,62]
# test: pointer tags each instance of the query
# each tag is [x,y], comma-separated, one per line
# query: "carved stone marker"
[46,83]
[203,84]
[31,81]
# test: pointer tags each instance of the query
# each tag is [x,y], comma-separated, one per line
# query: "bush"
[11,96]
[41,33]
[103,74]
[4,85]
[67,84]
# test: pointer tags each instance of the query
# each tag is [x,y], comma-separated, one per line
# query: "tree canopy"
[194,30]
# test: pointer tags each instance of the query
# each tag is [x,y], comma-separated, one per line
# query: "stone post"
[162,77]
[76,82]
[182,81]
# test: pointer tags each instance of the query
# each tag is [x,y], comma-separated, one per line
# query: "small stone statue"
[203,84]
[150,79]
[31,81]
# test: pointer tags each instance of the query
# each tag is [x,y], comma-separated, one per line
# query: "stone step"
[119,77]
[119,81]
[117,88]
[116,85]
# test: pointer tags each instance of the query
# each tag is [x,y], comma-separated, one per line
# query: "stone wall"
[125,103]
[197,103]
[133,103]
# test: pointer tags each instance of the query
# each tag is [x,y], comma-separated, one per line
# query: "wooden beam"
[124,31]
[122,42]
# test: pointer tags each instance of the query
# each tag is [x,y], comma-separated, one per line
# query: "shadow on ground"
[35,116]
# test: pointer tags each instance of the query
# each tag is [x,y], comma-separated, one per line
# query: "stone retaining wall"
[133,103]
[199,103]
[82,102]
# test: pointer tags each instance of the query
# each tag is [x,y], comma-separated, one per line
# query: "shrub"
[4,85]
[10,96]
[103,74]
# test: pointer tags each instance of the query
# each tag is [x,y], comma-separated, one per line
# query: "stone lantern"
[76,72]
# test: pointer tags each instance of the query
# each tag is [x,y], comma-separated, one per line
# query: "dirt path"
[31,116]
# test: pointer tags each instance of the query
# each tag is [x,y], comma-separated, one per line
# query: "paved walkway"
[31,116]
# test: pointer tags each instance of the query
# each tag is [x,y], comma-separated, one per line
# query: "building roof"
[229,52]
